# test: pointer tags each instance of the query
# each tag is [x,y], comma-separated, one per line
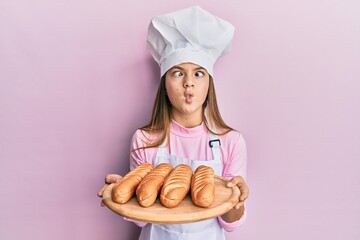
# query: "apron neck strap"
[215,144]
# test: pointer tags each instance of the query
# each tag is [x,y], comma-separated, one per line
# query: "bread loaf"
[202,186]
[176,186]
[151,184]
[125,187]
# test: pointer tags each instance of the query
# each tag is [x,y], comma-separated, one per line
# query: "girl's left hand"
[110,178]
[244,190]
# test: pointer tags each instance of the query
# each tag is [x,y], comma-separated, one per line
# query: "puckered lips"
[188,96]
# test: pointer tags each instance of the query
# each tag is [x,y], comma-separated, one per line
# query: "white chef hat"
[189,35]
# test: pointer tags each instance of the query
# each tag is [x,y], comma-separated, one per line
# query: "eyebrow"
[180,68]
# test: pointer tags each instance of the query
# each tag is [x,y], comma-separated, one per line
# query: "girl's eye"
[177,74]
[199,74]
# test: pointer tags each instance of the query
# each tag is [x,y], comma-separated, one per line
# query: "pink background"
[76,81]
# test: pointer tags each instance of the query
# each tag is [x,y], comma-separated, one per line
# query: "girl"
[186,125]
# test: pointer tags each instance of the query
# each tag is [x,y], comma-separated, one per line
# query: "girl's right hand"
[110,178]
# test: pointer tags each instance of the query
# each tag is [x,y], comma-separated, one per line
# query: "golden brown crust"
[125,187]
[202,186]
[151,184]
[176,186]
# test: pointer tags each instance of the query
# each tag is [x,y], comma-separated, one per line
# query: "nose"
[188,82]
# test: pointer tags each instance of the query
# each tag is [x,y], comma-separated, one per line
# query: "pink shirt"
[193,143]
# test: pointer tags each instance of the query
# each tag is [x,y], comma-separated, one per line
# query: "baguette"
[203,187]
[176,186]
[125,187]
[150,185]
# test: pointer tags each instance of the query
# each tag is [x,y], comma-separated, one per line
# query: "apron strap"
[160,153]
[215,144]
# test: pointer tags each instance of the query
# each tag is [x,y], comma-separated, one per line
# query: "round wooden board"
[225,199]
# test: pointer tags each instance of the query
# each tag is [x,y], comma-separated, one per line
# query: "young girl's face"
[187,86]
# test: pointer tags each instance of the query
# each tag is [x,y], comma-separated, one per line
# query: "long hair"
[161,116]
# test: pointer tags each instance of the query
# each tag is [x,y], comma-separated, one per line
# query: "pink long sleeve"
[235,165]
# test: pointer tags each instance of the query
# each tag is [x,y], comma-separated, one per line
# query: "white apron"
[203,230]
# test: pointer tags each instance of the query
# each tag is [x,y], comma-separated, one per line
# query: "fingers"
[100,193]
[239,205]
[112,178]
[235,181]
[244,190]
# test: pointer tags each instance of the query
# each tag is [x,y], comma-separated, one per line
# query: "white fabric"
[189,35]
[207,229]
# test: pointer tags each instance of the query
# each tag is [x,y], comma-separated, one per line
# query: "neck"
[188,121]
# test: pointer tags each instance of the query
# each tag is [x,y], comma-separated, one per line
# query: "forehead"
[187,66]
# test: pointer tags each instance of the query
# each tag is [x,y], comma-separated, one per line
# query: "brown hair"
[161,116]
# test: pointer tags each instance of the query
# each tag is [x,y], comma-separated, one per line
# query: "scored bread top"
[125,187]
[202,186]
[176,186]
[178,178]
[153,181]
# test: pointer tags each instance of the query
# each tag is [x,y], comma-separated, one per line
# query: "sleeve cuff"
[229,227]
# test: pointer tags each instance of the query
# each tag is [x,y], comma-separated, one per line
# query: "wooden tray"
[225,199]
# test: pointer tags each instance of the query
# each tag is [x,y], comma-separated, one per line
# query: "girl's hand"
[110,178]
[244,190]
